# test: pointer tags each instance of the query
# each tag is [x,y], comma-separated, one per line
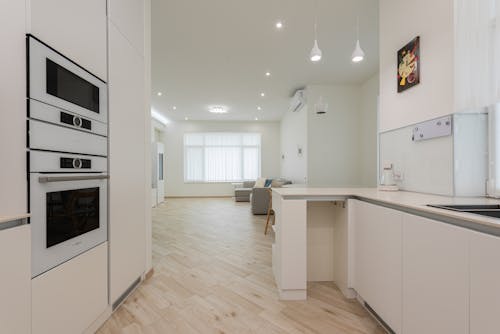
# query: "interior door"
[160,172]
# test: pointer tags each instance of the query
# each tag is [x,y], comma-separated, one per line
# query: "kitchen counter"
[305,220]
[403,200]
[5,220]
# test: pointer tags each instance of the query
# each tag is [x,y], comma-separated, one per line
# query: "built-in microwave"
[59,82]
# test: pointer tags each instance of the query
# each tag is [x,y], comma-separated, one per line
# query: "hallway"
[213,274]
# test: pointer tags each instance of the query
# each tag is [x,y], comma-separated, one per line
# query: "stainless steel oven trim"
[38,53]
[48,179]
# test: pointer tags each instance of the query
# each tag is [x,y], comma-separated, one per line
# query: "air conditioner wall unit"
[297,101]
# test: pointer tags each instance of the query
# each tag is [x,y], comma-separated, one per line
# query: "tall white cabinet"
[127,145]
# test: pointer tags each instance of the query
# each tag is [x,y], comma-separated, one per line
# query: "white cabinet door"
[75,28]
[127,166]
[484,284]
[377,260]
[13,108]
[15,287]
[435,277]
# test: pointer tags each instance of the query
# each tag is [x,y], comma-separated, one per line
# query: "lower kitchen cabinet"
[484,284]
[72,296]
[377,259]
[15,290]
[435,277]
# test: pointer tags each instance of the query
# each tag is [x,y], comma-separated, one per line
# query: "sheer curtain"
[221,157]
[477,56]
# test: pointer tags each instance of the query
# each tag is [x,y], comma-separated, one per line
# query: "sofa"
[259,197]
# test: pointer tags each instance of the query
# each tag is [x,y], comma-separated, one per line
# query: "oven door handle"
[47,179]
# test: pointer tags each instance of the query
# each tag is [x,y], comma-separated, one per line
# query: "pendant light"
[358,55]
[316,53]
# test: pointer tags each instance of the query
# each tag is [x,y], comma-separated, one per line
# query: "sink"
[490,210]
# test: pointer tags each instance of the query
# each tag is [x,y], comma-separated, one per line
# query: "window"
[221,157]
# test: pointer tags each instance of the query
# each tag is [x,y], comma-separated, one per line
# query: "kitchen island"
[392,251]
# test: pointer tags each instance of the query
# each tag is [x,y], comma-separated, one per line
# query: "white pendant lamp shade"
[315,52]
[358,54]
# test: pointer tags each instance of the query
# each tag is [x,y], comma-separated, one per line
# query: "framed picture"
[409,65]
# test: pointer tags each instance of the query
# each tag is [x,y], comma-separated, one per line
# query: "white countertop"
[404,199]
[6,219]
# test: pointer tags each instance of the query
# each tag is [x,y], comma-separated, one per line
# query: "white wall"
[401,21]
[174,152]
[334,138]
[294,136]
[368,131]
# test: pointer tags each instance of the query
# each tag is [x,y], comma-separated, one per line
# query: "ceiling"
[217,52]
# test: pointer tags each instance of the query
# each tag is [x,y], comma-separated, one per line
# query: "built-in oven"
[68,202]
[61,83]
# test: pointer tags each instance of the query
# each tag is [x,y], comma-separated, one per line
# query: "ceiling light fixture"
[358,55]
[159,93]
[217,110]
[316,53]
[279,25]
[159,117]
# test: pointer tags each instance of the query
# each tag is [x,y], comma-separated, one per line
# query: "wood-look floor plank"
[213,274]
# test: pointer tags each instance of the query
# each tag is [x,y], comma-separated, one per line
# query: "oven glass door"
[68,216]
[68,86]
[71,213]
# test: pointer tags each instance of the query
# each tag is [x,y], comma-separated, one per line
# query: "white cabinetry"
[75,28]
[70,297]
[484,284]
[435,277]
[127,166]
[13,108]
[377,260]
[15,287]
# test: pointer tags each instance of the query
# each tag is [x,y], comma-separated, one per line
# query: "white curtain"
[477,56]
[221,157]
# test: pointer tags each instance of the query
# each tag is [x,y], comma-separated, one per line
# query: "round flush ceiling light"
[217,110]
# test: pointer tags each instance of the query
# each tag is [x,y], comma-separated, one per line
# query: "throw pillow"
[268,183]
[260,183]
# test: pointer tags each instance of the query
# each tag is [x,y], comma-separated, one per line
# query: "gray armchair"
[259,200]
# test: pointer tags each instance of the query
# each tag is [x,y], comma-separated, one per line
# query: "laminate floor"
[212,274]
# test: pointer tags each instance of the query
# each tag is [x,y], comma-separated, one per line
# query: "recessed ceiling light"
[268,74]
[279,25]
[159,93]
[262,94]
[218,110]
[259,108]
[174,108]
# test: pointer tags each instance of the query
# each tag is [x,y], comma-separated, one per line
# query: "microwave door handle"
[47,179]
